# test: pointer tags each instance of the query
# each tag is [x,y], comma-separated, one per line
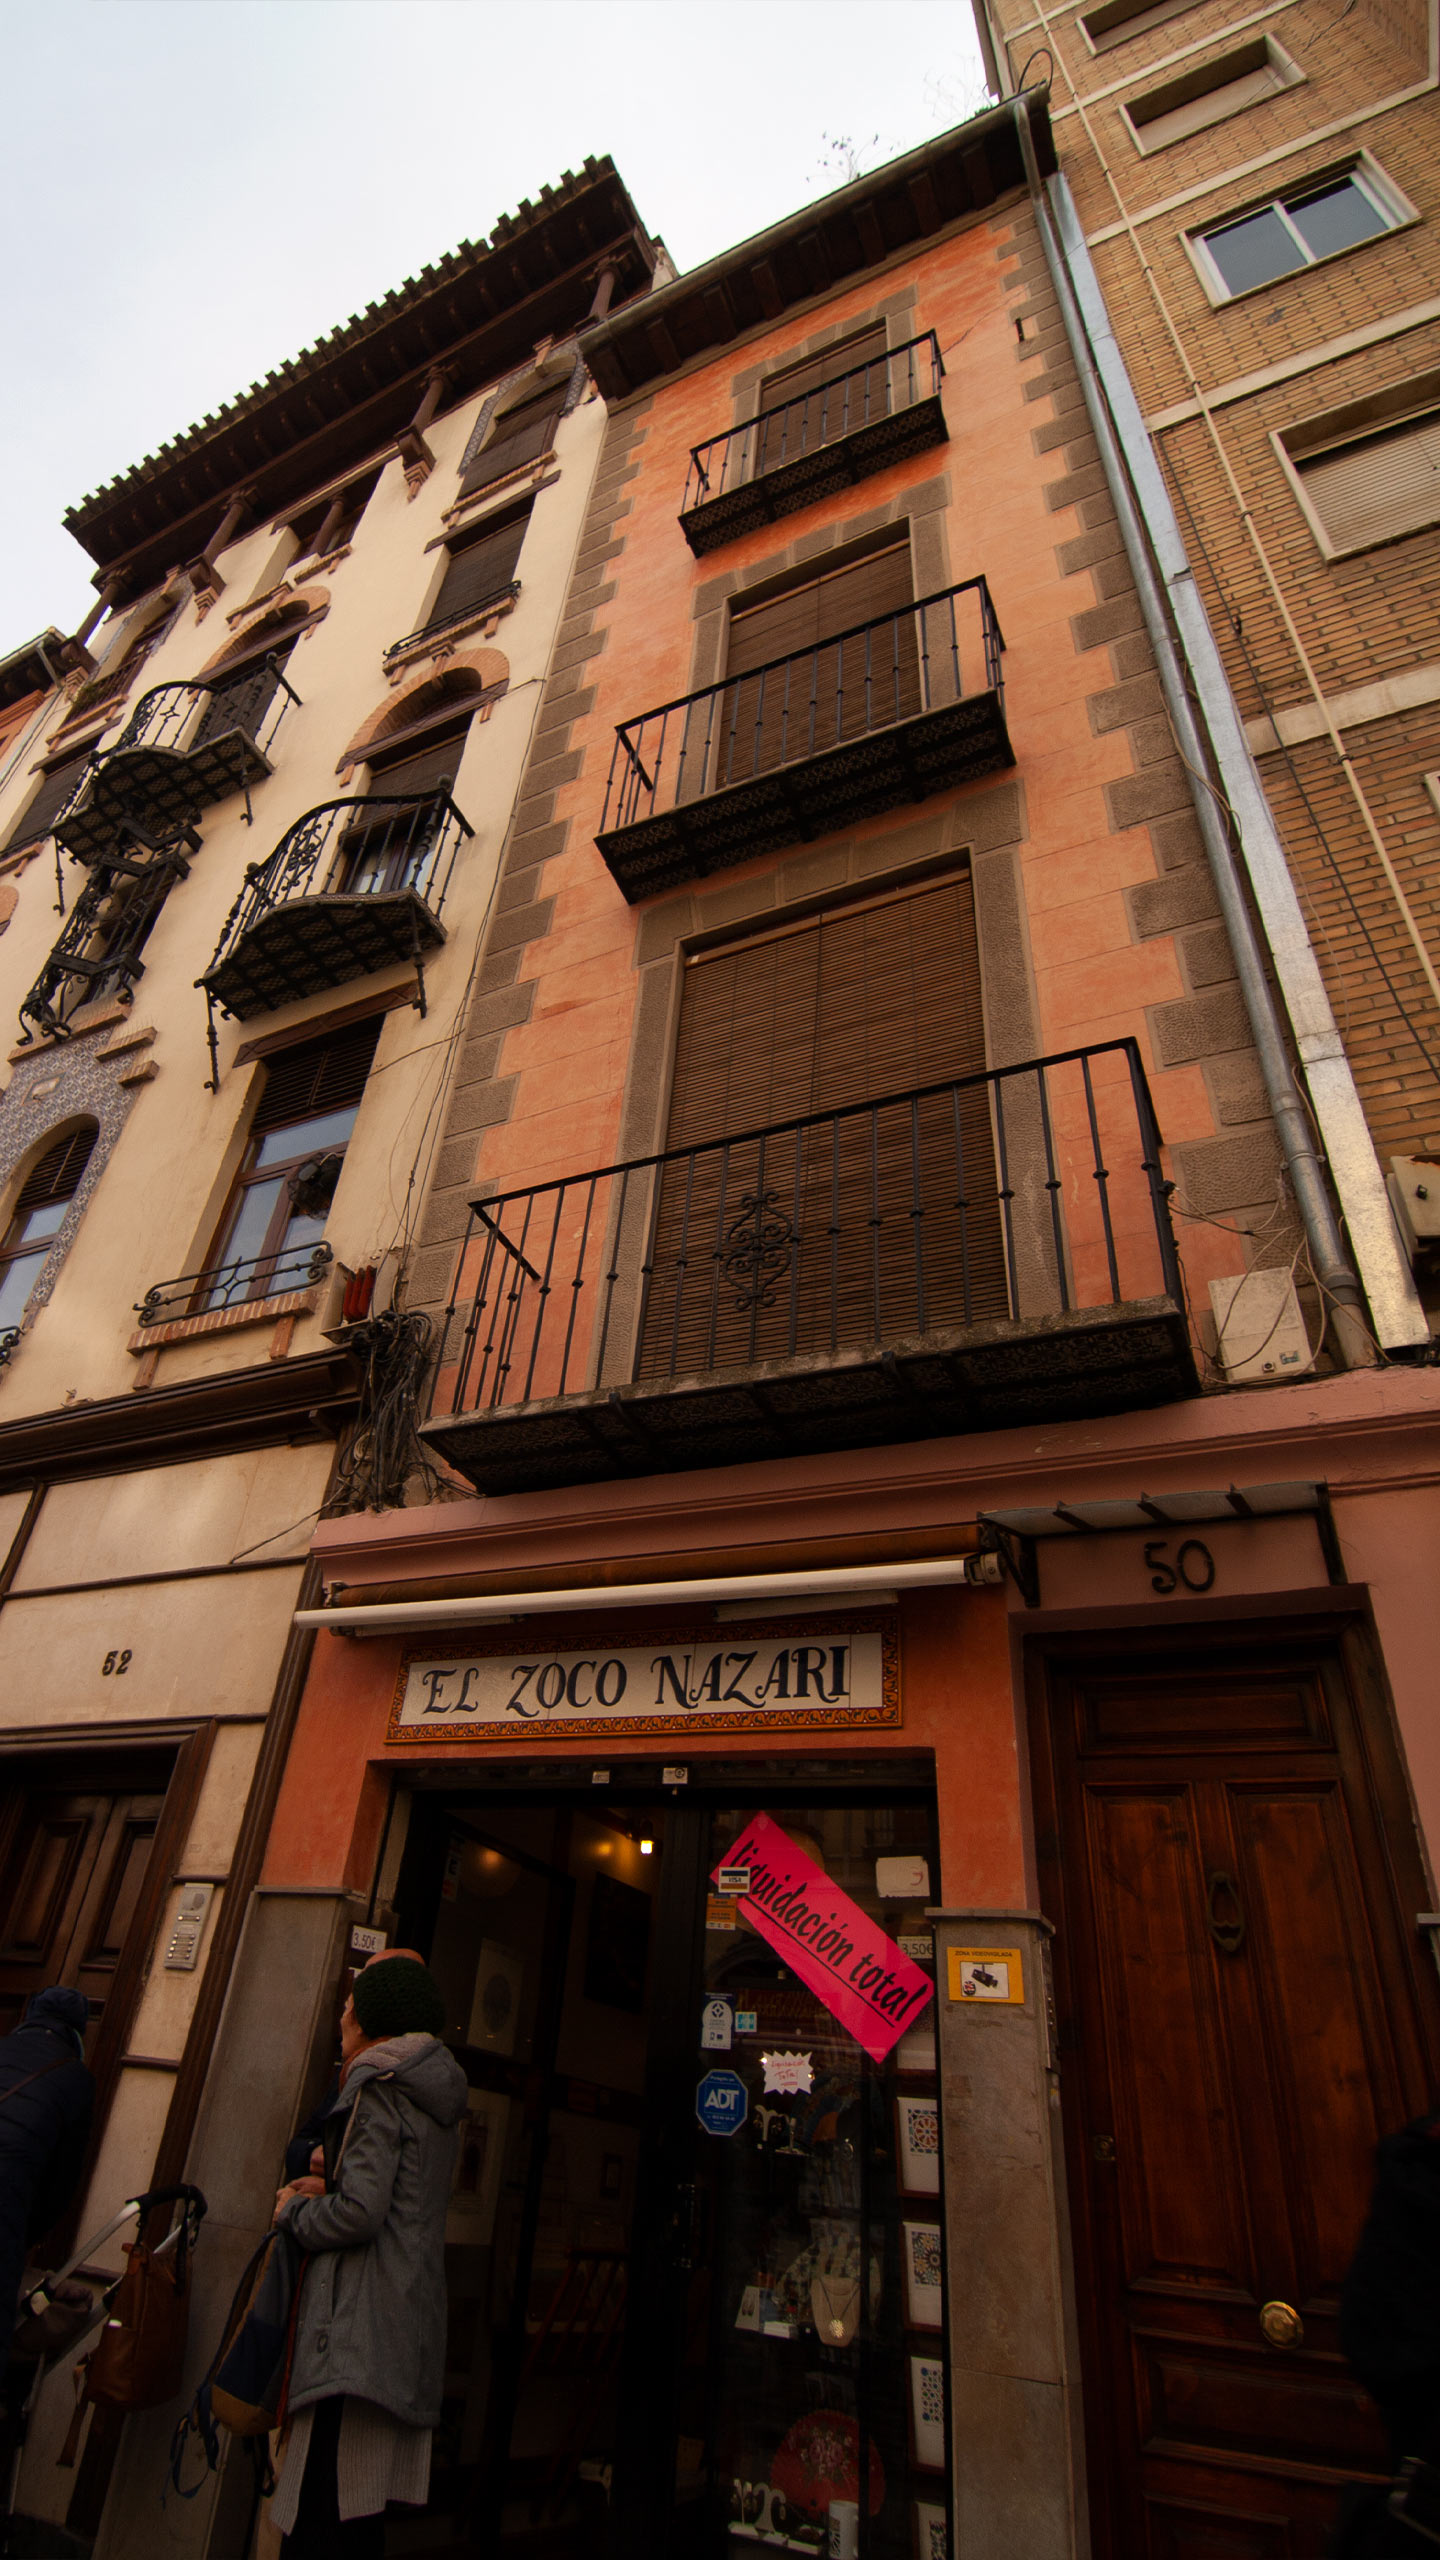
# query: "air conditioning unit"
[1414,1188]
[1261,1332]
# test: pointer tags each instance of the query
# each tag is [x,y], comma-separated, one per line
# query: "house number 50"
[115,1662]
[1194,1565]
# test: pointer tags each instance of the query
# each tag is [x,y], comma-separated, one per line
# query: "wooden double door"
[1227,1851]
[73,1866]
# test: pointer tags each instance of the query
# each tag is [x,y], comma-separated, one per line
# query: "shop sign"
[839,1953]
[776,1678]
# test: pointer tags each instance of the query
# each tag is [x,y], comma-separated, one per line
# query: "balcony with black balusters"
[812,446]
[184,747]
[354,886]
[964,1256]
[880,716]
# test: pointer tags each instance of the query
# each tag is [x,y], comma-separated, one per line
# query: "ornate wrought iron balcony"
[435,631]
[874,718]
[183,747]
[810,447]
[354,885]
[956,1258]
[254,1279]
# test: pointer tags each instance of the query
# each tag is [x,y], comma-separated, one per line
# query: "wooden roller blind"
[240,701]
[431,766]
[1379,486]
[318,1075]
[802,411]
[521,435]
[864,1003]
[482,566]
[830,689]
[57,1175]
[45,805]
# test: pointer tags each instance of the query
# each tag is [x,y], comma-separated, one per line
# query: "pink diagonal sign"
[839,1954]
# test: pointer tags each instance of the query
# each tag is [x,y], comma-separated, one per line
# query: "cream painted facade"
[160,1483]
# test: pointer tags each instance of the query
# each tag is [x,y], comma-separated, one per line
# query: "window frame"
[1417,398]
[1389,200]
[1288,75]
[209,1299]
[1147,14]
[13,1248]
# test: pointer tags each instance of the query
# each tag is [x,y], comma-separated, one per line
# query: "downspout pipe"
[1153,542]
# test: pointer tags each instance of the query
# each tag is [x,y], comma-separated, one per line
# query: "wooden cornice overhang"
[831,244]
[478,313]
[287,1401]
[34,669]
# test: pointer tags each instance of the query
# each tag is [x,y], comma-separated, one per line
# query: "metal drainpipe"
[1128,458]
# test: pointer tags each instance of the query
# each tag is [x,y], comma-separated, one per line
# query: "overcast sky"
[196,189]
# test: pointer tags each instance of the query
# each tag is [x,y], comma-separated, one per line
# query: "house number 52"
[115,1662]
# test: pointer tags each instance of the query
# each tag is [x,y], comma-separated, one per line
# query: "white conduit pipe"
[843,1582]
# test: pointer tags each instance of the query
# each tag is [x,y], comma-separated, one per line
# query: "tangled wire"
[385,1451]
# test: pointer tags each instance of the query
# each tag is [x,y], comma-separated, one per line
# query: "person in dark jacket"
[47,2099]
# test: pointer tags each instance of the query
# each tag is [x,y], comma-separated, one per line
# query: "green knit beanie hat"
[399,1998]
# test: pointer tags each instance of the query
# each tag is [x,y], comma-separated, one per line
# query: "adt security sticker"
[722,2102]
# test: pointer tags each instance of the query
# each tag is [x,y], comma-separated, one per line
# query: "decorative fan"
[820,2459]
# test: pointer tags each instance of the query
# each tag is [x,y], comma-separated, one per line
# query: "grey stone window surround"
[533,375]
[79,1083]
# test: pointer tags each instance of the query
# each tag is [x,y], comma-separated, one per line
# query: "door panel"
[1240,2020]
[69,1890]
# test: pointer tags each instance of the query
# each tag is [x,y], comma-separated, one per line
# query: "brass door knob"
[1280,2326]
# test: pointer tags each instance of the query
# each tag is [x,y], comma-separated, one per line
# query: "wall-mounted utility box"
[1414,1188]
[1260,1328]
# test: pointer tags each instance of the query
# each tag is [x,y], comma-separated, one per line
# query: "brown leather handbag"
[138,2360]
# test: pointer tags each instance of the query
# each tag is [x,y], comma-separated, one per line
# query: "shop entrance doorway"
[1227,1851]
[695,2251]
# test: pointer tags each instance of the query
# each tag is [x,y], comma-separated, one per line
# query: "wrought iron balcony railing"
[255,1277]
[963,1255]
[183,747]
[353,886]
[878,716]
[810,447]
[464,613]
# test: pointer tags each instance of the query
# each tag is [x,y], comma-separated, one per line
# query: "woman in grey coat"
[369,2354]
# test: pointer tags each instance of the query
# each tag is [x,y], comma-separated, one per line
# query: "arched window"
[37,1216]
[245,676]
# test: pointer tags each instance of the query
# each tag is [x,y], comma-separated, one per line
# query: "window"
[278,1209]
[1212,90]
[866,1000]
[56,788]
[332,521]
[384,854]
[481,566]
[834,688]
[1320,220]
[802,406]
[241,699]
[37,1217]
[1371,472]
[1119,19]
[518,435]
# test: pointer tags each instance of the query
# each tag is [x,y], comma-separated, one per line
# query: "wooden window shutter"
[428,767]
[1379,486]
[240,701]
[318,1075]
[58,1174]
[45,805]
[798,415]
[829,689]
[866,1002]
[481,567]
[521,435]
